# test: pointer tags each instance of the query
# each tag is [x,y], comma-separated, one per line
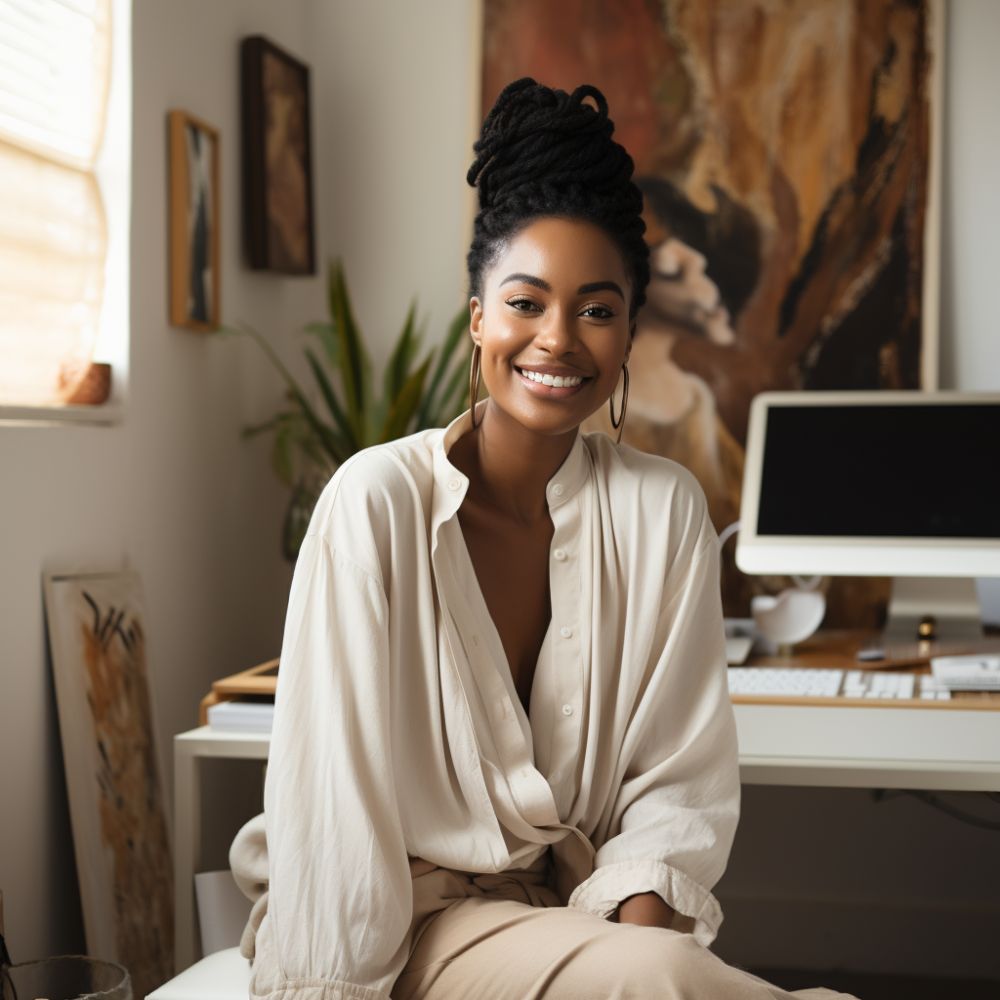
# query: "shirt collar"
[450,484]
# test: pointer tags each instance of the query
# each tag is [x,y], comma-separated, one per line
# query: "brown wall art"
[784,151]
[194,222]
[277,160]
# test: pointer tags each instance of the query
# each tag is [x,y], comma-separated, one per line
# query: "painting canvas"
[194,223]
[97,637]
[277,158]
[784,151]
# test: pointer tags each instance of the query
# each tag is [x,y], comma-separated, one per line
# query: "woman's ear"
[476,319]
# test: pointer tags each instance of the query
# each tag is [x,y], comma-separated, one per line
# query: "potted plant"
[310,441]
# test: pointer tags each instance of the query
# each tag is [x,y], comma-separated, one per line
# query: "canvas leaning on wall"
[97,638]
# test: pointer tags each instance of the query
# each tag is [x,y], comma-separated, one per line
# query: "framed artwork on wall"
[277,159]
[97,638]
[194,222]
[791,207]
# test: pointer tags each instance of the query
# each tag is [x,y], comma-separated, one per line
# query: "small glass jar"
[66,977]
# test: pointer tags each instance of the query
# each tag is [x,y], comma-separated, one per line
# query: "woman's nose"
[556,335]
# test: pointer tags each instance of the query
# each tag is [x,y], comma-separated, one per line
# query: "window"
[55,89]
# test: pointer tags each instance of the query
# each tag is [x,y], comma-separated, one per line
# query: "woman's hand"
[647,909]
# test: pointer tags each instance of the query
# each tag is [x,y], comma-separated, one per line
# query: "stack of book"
[243,702]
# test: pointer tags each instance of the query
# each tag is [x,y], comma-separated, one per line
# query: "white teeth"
[557,381]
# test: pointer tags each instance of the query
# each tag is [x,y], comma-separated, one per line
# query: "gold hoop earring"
[474,372]
[620,422]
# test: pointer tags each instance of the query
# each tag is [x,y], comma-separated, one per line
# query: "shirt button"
[565,631]
[558,489]
[454,484]
[567,710]
[560,554]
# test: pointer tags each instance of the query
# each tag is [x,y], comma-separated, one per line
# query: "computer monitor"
[901,484]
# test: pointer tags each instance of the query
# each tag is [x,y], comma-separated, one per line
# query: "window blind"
[54,76]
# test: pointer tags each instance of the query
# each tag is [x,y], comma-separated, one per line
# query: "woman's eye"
[598,312]
[522,305]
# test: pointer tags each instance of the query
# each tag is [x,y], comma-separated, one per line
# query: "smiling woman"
[552,309]
[504,758]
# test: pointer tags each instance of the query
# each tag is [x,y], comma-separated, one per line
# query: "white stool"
[224,975]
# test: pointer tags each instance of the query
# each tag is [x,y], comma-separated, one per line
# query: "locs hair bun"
[546,152]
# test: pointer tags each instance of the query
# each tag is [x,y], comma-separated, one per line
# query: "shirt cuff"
[611,884]
[317,989]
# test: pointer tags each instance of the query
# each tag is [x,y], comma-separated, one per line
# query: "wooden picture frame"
[277,159]
[259,682]
[194,222]
[121,840]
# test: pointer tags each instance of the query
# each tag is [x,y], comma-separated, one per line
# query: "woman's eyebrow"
[593,286]
[528,279]
[601,286]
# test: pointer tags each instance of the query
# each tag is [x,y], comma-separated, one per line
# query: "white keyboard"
[828,682]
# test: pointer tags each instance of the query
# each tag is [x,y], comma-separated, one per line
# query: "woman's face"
[682,296]
[554,308]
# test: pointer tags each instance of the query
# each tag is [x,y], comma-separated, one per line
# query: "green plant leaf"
[284,465]
[326,333]
[397,368]
[454,398]
[295,393]
[298,513]
[375,423]
[354,364]
[254,429]
[431,409]
[404,406]
[308,444]
[347,442]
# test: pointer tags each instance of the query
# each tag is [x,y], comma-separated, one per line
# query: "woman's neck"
[509,466]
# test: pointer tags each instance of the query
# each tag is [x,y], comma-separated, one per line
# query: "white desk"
[190,749]
[816,746]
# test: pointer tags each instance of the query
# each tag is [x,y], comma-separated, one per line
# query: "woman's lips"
[550,391]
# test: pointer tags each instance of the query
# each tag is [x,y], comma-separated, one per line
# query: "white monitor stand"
[939,607]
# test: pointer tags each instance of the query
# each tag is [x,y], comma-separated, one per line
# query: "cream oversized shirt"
[398,732]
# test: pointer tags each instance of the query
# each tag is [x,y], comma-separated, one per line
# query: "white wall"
[970,314]
[172,489]
[398,92]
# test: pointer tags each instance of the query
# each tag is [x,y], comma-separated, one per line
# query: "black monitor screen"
[888,471]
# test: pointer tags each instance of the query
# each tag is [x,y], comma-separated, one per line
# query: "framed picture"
[791,207]
[277,160]
[97,638]
[194,222]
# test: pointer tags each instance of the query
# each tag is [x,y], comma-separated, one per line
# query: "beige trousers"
[507,937]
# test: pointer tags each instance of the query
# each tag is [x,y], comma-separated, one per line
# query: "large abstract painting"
[98,642]
[784,152]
